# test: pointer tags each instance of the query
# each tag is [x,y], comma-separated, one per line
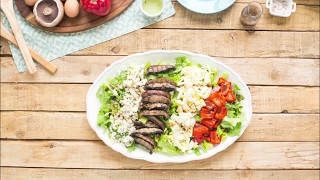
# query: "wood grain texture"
[82,22]
[213,43]
[85,69]
[4,47]
[57,125]
[95,154]
[306,18]
[223,43]
[44,173]
[71,97]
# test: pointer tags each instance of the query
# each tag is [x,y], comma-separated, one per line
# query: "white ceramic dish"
[291,8]
[93,104]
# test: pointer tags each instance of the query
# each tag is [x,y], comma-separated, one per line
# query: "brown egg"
[72,8]
[31,2]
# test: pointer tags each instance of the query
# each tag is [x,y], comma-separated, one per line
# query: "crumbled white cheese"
[122,122]
[182,128]
[194,86]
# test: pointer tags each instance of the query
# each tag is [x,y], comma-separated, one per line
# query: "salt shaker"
[251,14]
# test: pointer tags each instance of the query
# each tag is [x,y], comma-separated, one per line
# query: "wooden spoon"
[7,8]
[41,60]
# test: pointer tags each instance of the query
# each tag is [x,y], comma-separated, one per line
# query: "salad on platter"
[170,108]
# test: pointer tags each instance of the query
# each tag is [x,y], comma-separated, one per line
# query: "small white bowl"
[152,15]
[291,8]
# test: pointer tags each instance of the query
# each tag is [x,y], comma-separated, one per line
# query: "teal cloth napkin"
[54,45]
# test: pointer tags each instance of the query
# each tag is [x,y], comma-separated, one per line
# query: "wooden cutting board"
[82,22]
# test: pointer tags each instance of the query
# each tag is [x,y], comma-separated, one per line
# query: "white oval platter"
[93,104]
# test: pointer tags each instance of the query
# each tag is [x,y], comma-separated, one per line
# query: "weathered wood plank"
[306,18]
[223,43]
[4,47]
[44,173]
[57,125]
[214,43]
[88,154]
[85,69]
[71,97]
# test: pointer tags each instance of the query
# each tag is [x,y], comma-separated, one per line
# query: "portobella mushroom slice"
[48,13]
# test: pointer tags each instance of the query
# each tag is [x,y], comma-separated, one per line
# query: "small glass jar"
[251,14]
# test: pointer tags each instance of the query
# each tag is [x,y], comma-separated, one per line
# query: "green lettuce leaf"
[165,146]
[132,147]
[143,119]
[235,131]
[196,151]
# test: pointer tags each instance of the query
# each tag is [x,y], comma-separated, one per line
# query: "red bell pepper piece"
[199,140]
[221,80]
[98,7]
[221,112]
[199,130]
[230,97]
[209,103]
[206,113]
[217,123]
[214,138]
[215,89]
[207,138]
[208,122]
[217,99]
[225,87]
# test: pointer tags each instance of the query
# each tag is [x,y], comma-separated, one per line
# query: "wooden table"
[45,134]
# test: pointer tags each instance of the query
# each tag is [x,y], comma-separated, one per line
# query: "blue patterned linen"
[54,45]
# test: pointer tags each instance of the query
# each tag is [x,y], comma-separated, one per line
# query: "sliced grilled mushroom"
[156,92]
[162,80]
[148,124]
[146,131]
[144,143]
[147,138]
[147,113]
[156,99]
[157,121]
[155,69]
[160,86]
[139,127]
[158,106]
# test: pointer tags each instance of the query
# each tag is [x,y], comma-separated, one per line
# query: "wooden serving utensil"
[41,60]
[7,8]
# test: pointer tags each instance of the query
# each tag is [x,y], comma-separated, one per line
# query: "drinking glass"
[251,14]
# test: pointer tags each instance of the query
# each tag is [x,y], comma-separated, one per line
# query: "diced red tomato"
[225,87]
[215,89]
[206,113]
[214,138]
[230,97]
[221,80]
[209,103]
[217,123]
[208,122]
[221,112]
[217,99]
[199,130]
